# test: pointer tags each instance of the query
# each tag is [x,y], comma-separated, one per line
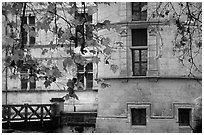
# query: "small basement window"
[184,116]
[138,116]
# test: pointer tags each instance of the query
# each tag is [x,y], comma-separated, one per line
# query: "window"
[86,16]
[139,62]
[30,20]
[85,75]
[184,117]
[139,52]
[137,13]
[138,116]
[27,79]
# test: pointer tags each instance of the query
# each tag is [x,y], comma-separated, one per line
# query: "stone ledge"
[151,77]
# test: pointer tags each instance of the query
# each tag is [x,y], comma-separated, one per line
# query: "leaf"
[26,27]
[105,41]
[96,59]
[51,7]
[144,8]
[32,33]
[67,62]
[44,51]
[119,43]
[47,83]
[72,10]
[80,59]
[56,72]
[114,67]
[91,10]
[49,62]
[104,85]
[107,24]
[107,50]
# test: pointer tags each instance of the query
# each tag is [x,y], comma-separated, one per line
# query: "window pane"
[144,55]
[89,67]
[136,55]
[143,16]
[137,13]
[136,70]
[138,116]
[32,40]
[135,6]
[31,20]
[80,77]
[24,83]
[32,85]
[139,37]
[24,19]
[184,117]
[143,68]
[80,68]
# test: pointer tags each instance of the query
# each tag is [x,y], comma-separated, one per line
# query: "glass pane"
[136,70]
[89,67]
[138,116]
[32,40]
[135,6]
[32,85]
[24,83]
[80,77]
[143,68]
[184,117]
[143,16]
[89,84]
[139,37]
[144,55]
[136,55]
[80,68]
[31,20]
[24,19]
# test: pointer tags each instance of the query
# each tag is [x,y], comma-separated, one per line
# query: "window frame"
[26,81]
[135,47]
[178,106]
[138,105]
[85,80]
[29,40]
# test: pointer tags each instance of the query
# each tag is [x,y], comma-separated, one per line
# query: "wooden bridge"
[27,112]
[47,116]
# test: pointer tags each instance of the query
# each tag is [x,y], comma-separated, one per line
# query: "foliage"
[187,18]
[77,32]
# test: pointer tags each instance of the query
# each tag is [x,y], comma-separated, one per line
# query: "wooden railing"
[27,112]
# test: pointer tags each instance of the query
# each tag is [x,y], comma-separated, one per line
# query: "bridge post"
[57,109]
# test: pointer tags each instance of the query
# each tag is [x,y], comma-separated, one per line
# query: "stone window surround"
[148,105]
[138,106]
[183,106]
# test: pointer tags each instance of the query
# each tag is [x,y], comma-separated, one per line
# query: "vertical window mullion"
[140,62]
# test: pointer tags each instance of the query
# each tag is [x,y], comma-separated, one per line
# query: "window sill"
[138,126]
[184,127]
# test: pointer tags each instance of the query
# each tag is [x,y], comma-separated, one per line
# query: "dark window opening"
[31,20]
[138,116]
[184,117]
[139,37]
[137,13]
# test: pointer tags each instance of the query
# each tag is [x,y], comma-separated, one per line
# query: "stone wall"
[162,98]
